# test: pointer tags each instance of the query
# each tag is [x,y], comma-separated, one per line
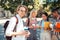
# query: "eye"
[22,10]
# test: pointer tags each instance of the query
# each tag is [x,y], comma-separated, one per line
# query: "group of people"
[42,30]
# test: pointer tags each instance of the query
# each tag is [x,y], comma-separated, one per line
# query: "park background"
[7,9]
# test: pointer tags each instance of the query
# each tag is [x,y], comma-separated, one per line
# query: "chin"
[22,16]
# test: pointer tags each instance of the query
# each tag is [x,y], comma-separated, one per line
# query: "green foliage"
[53,4]
[12,4]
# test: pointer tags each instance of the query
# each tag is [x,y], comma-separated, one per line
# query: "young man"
[55,19]
[20,33]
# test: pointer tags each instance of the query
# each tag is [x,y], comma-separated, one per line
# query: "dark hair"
[59,11]
[46,14]
[56,9]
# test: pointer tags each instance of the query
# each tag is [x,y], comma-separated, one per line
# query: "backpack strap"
[16,24]
[16,19]
[28,22]
[14,30]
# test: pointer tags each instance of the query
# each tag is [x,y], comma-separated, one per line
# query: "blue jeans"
[32,35]
[38,34]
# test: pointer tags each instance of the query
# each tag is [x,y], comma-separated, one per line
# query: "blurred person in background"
[32,21]
[45,30]
[55,19]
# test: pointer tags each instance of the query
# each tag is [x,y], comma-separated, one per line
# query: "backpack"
[57,27]
[5,26]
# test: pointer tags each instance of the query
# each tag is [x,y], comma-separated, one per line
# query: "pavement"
[2,21]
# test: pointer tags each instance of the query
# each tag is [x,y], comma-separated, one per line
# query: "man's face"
[22,11]
[55,14]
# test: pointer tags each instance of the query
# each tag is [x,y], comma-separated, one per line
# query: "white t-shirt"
[19,28]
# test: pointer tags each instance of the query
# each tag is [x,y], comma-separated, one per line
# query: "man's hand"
[23,33]
[27,35]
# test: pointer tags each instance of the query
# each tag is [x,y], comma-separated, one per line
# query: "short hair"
[46,14]
[56,9]
[18,8]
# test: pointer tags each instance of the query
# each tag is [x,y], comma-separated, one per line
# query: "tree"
[12,4]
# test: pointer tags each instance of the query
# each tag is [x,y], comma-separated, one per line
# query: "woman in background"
[32,21]
[45,33]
